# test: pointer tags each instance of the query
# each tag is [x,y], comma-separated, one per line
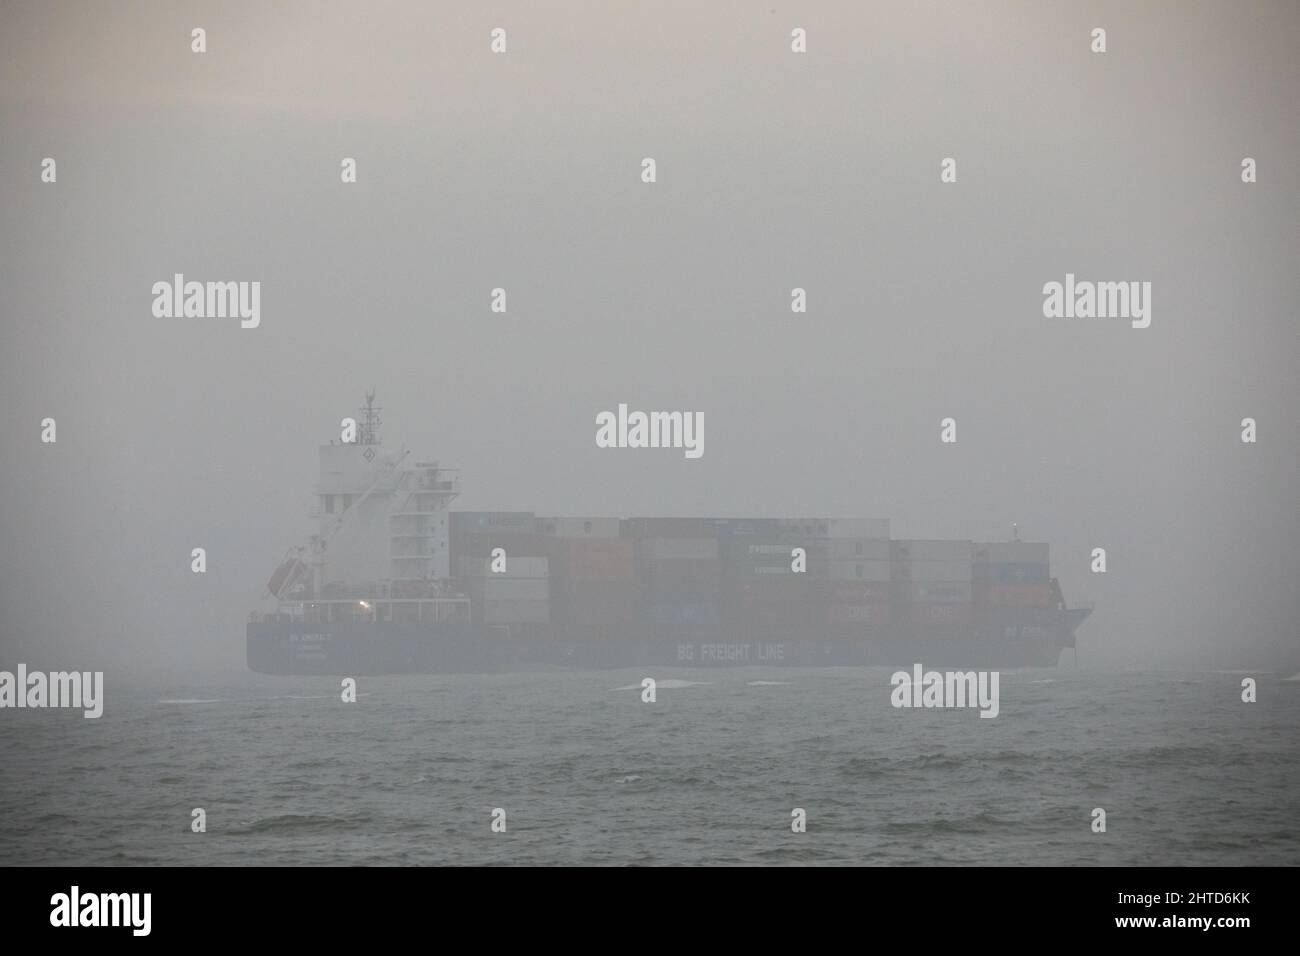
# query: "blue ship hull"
[1021,637]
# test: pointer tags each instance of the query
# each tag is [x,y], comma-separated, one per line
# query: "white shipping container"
[858,528]
[940,571]
[807,527]
[482,522]
[502,588]
[938,550]
[875,571]
[579,527]
[515,612]
[516,567]
[1011,552]
[680,549]
[857,549]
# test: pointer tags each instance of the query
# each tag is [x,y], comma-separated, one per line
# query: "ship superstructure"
[381,549]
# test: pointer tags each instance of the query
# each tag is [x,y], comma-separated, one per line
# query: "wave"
[193,700]
[299,822]
[963,826]
[768,683]
[671,683]
[227,700]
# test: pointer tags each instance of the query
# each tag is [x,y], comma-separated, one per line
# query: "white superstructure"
[382,519]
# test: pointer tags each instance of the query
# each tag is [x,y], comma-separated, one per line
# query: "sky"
[775,170]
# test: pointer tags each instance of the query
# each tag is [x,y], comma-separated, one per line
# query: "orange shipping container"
[595,559]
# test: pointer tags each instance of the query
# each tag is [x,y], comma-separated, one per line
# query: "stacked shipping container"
[475,534]
[769,599]
[934,580]
[594,586]
[1012,574]
[683,578]
[520,594]
[857,599]
[605,578]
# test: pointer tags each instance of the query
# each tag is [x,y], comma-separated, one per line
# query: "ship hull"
[1011,638]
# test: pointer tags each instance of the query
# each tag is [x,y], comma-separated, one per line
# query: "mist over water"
[776,170]
[817,171]
[586,773]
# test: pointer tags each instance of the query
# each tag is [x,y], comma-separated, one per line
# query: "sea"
[572,768]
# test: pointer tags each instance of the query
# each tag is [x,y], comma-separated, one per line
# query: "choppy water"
[587,773]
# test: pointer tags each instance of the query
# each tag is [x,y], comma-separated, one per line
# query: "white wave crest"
[193,700]
[670,683]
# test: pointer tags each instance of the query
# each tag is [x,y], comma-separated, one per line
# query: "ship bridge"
[382,521]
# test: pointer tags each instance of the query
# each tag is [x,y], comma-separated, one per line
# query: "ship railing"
[419,610]
[436,485]
[345,592]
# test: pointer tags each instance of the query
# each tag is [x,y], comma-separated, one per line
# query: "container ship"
[394,581]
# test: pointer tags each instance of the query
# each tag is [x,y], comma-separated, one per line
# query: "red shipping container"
[941,614]
[1020,595]
[594,559]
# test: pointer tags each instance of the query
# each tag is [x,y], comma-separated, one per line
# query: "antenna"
[370,421]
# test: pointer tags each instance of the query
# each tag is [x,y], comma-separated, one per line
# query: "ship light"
[365,604]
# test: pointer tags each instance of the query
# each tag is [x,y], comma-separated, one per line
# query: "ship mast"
[368,430]
[350,484]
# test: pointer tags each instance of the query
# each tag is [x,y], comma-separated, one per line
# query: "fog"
[775,171]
